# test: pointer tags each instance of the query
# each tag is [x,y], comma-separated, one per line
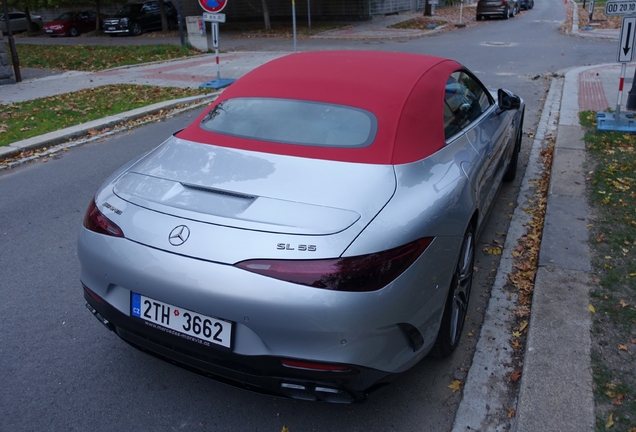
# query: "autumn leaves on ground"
[612,192]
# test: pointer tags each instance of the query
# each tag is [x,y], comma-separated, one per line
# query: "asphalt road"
[61,370]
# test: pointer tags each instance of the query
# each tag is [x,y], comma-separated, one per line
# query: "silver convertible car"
[312,233]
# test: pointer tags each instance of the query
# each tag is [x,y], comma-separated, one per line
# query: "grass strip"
[92,58]
[24,120]
[612,163]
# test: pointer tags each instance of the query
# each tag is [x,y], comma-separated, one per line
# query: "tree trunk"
[98,11]
[268,25]
[28,18]
[164,19]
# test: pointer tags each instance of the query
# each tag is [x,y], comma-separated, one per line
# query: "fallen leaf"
[284,429]
[523,326]
[618,399]
[514,376]
[516,334]
[623,347]
[455,386]
[591,308]
[511,413]
[623,303]
[610,421]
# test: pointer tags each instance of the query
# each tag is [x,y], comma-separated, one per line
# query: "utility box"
[196,32]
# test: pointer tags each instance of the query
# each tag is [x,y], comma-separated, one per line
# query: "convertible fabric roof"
[404,91]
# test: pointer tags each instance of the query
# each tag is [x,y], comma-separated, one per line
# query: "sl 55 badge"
[300,247]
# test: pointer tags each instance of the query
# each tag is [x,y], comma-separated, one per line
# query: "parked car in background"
[526,4]
[311,234]
[72,23]
[497,8]
[137,18]
[18,22]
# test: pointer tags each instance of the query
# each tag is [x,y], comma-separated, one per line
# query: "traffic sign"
[212,6]
[210,17]
[620,7]
[215,34]
[626,47]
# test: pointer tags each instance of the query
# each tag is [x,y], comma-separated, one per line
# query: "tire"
[511,171]
[135,29]
[456,307]
[72,32]
[531,4]
[507,13]
[512,12]
[479,17]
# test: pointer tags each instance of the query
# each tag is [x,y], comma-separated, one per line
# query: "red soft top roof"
[404,91]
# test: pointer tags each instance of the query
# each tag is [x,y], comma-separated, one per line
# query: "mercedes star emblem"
[179,235]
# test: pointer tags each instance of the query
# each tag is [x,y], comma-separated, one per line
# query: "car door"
[470,108]
[17,21]
[151,17]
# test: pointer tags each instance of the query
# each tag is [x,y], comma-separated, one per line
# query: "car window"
[465,99]
[293,122]
[128,9]
[66,16]
[150,7]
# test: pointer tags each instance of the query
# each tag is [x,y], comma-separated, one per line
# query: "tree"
[26,6]
[164,19]
[268,25]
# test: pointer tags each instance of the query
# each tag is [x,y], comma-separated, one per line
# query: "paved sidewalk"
[187,73]
[556,384]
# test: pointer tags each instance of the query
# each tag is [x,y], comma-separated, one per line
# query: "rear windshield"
[128,9]
[293,122]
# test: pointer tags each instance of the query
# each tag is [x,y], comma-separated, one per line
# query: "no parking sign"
[212,5]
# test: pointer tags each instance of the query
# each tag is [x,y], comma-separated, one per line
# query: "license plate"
[182,322]
[110,28]
[48,31]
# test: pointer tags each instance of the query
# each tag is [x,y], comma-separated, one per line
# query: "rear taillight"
[326,367]
[356,274]
[95,221]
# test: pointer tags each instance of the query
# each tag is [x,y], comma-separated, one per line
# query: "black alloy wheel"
[456,308]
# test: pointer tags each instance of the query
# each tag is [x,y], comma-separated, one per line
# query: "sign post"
[212,15]
[618,121]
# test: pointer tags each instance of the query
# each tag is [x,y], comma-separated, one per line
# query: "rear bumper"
[493,11]
[261,373]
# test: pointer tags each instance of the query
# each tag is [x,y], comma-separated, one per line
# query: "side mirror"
[507,100]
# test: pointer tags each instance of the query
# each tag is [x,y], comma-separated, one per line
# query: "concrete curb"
[556,390]
[588,34]
[78,131]
[486,398]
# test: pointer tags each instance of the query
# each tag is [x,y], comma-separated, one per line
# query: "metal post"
[309,14]
[294,21]
[181,36]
